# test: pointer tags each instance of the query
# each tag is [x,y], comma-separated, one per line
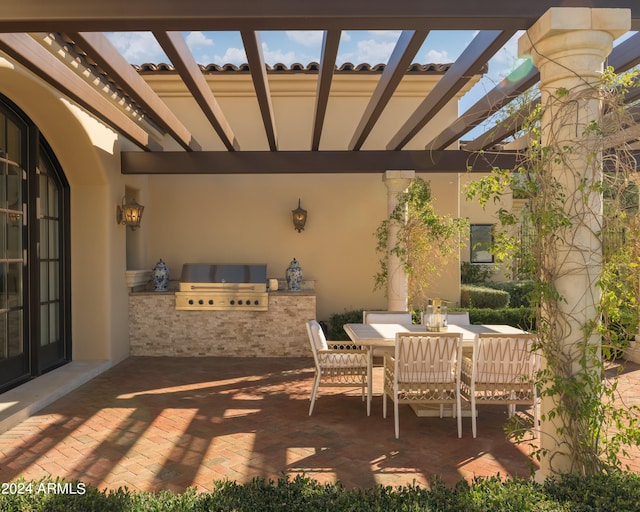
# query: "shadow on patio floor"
[173,423]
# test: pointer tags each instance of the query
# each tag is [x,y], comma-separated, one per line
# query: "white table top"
[384,335]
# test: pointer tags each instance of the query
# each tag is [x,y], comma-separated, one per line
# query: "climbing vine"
[584,227]
[425,240]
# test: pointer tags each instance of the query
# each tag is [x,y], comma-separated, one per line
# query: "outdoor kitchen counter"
[157,329]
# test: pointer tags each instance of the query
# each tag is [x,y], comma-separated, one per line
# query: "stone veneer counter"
[157,329]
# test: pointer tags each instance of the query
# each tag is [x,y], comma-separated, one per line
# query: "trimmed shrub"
[335,329]
[524,318]
[618,492]
[482,297]
[475,273]
[519,292]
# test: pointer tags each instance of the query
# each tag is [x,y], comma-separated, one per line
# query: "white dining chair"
[458,318]
[425,369]
[338,364]
[385,317]
[501,371]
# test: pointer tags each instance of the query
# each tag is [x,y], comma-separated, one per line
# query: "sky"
[288,47]
[356,47]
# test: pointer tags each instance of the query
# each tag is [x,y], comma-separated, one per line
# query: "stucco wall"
[221,218]
[247,218]
[89,155]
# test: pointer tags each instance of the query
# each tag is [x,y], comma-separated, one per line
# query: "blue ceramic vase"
[294,276]
[161,276]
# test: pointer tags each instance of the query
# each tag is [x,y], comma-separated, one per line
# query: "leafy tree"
[425,240]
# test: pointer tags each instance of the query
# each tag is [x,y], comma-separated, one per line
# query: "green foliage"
[482,297]
[524,318]
[570,493]
[475,273]
[598,493]
[336,324]
[578,194]
[520,292]
[425,240]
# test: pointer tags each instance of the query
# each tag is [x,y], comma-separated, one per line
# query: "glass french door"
[53,334]
[34,283]
[14,351]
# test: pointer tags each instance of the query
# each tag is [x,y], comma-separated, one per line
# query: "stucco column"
[569,46]
[397,281]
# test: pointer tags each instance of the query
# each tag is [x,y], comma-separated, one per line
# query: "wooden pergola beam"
[622,58]
[105,55]
[473,58]
[302,162]
[258,69]
[178,52]
[330,44]
[503,93]
[405,50]
[32,55]
[152,15]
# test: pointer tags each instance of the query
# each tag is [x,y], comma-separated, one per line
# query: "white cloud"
[275,56]
[235,56]
[138,47]
[437,57]
[197,39]
[374,52]
[305,37]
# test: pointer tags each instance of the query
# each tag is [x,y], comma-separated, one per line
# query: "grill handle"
[226,287]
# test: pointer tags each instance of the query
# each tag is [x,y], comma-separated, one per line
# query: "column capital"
[566,35]
[397,181]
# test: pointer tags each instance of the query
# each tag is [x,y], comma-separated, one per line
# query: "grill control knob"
[191,302]
[256,302]
[232,302]
[200,302]
[211,302]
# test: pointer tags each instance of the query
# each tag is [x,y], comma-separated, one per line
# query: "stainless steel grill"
[212,287]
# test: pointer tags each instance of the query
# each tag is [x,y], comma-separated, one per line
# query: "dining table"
[371,336]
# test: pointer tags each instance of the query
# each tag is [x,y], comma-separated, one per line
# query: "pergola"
[63,44]
[45,36]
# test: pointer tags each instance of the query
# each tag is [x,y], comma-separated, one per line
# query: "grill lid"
[212,273]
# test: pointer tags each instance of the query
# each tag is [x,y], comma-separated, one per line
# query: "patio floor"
[173,423]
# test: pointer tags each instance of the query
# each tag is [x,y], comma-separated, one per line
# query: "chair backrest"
[428,357]
[504,358]
[386,317]
[458,318]
[316,337]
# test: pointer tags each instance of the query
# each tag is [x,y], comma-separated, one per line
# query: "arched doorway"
[34,252]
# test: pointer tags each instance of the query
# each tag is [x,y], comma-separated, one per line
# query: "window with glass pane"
[481,242]
[50,263]
[11,242]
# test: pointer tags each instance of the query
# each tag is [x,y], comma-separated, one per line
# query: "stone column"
[397,281]
[569,46]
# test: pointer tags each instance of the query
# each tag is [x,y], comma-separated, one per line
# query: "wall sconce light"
[299,217]
[129,213]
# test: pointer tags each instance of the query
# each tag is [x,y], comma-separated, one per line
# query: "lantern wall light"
[129,213]
[299,217]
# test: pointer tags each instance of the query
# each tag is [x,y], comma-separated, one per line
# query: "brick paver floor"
[173,423]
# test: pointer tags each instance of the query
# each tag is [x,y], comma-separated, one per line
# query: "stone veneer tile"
[157,329]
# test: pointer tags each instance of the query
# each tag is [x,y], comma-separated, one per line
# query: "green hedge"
[524,318]
[619,492]
[482,297]
[335,329]
[518,317]
[519,291]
